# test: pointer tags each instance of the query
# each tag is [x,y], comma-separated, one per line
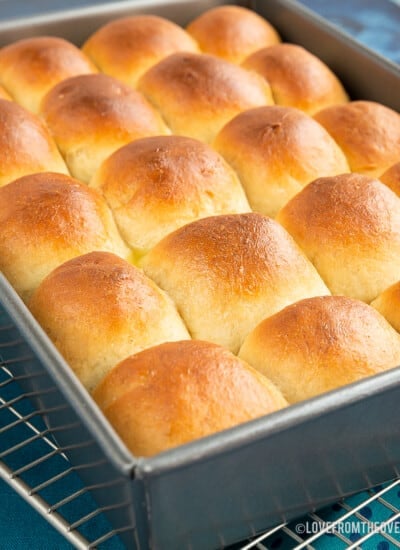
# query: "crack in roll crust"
[232,32]
[234,270]
[46,219]
[276,151]
[176,392]
[349,227]
[319,344]
[212,90]
[98,309]
[127,47]
[157,184]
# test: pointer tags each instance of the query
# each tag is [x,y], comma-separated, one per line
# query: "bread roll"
[226,273]
[367,132]
[176,392]
[155,185]
[197,94]
[46,219]
[320,344]
[388,304]
[276,151]
[391,178]
[30,67]
[297,78]
[91,116]
[128,47]
[26,145]
[349,227]
[232,32]
[98,309]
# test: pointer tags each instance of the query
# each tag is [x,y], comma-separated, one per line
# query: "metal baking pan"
[223,488]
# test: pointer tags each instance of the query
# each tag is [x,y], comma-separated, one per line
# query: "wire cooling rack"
[31,454]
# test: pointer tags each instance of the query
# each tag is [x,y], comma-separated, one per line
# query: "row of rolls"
[204,224]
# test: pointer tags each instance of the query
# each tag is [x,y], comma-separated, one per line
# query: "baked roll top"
[226,273]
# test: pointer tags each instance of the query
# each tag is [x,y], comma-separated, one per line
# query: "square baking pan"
[229,486]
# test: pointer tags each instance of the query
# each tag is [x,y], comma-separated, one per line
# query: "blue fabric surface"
[20,526]
[23,528]
[377,24]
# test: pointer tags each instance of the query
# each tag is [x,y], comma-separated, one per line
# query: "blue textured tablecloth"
[377,24]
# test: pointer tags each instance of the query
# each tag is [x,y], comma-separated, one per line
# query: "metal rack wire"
[31,453]
[58,503]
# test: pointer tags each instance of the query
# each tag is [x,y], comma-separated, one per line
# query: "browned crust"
[367,132]
[176,392]
[322,343]
[30,67]
[232,32]
[297,77]
[127,47]
[26,145]
[96,108]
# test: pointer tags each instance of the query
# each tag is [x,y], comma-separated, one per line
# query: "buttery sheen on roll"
[319,344]
[46,219]
[226,273]
[367,132]
[197,93]
[232,32]
[276,151]
[127,47]
[91,116]
[297,77]
[176,392]
[30,67]
[155,185]
[26,145]
[388,304]
[349,227]
[98,309]
[391,178]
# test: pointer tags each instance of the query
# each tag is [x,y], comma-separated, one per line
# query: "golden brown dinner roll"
[46,219]
[349,227]
[297,78]
[232,32]
[176,392]
[227,272]
[30,67]
[26,145]
[127,47]
[197,94]
[367,132]
[391,178]
[388,304]
[155,185]
[276,151]
[320,344]
[91,116]
[98,309]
